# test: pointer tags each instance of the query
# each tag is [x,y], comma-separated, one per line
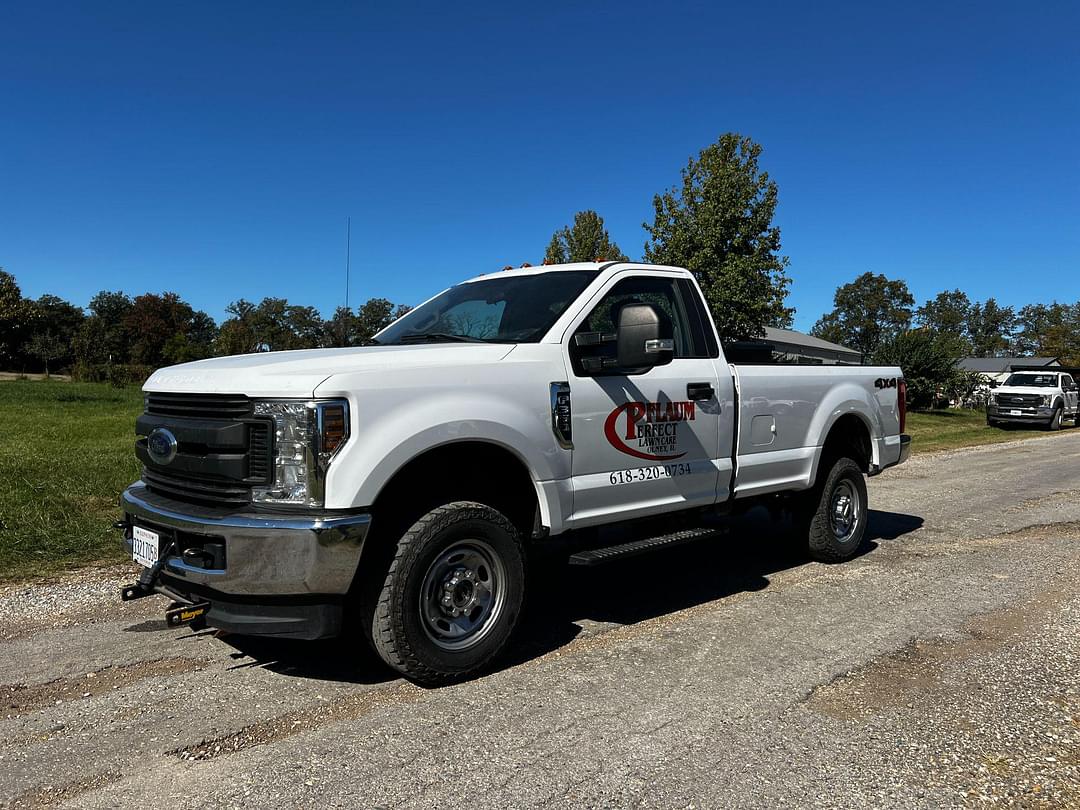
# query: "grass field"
[65,455]
[945,430]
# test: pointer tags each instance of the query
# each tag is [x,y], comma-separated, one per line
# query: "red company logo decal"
[651,427]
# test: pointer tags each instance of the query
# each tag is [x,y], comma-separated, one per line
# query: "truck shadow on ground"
[563,598]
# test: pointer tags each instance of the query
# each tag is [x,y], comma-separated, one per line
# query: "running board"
[597,556]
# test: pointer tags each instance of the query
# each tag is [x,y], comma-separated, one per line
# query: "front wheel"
[452,595]
[839,509]
[1055,420]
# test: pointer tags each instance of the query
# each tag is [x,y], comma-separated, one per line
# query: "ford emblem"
[161,444]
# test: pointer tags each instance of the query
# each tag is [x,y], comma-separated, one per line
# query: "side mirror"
[639,344]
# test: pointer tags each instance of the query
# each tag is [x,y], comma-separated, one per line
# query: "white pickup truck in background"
[401,485]
[1043,397]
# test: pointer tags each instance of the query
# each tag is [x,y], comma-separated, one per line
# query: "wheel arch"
[469,469]
[849,435]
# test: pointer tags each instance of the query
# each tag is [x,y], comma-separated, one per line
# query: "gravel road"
[940,668]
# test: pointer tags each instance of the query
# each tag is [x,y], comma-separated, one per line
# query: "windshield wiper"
[437,337]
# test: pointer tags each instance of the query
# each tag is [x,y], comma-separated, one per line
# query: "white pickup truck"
[403,484]
[1042,396]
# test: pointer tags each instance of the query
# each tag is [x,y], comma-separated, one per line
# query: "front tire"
[452,595]
[1055,420]
[837,526]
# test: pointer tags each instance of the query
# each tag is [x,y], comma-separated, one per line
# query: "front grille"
[222,449]
[199,406]
[196,489]
[1020,400]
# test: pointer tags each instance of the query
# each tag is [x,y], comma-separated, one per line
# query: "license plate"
[1014,413]
[145,546]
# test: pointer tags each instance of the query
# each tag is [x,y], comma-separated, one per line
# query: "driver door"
[649,440]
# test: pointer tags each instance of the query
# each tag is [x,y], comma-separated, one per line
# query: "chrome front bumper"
[1005,413]
[266,554]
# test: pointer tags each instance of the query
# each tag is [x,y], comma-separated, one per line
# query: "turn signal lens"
[334,425]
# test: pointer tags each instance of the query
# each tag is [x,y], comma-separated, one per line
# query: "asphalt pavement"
[940,668]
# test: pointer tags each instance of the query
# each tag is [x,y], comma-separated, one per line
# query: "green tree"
[166,330]
[16,319]
[868,312]
[928,365]
[348,328]
[374,315]
[990,328]
[1049,330]
[585,241]
[948,315]
[107,338]
[718,224]
[61,321]
[47,347]
[237,333]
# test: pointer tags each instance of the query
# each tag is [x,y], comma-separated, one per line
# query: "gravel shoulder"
[938,669]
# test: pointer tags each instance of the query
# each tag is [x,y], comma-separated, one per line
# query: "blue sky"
[216,148]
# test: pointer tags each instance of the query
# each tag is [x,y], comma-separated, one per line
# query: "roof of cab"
[556,268]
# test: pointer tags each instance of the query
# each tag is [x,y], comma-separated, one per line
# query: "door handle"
[699,391]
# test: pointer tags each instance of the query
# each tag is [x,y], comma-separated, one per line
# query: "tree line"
[121,338]
[877,316]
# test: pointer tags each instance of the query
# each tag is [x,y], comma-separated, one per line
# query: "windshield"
[1037,380]
[510,309]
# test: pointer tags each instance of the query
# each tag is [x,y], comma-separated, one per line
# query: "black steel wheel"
[452,594]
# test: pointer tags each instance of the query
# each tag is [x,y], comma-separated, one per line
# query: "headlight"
[307,435]
[993,399]
[1046,399]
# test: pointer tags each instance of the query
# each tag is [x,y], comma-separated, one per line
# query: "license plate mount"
[145,546]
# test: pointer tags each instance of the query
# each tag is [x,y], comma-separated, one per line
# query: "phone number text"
[650,473]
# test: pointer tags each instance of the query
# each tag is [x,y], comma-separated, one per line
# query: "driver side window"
[661,293]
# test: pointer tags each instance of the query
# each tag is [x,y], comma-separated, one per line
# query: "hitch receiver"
[135,590]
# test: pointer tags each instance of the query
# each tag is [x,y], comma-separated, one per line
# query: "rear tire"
[838,512]
[452,595]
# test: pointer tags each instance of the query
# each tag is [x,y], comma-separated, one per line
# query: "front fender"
[391,431]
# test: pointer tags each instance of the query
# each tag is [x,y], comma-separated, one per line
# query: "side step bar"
[596,556]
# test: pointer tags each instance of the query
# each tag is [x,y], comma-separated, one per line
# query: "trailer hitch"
[145,585]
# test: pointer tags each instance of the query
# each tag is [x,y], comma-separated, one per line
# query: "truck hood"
[1024,389]
[299,373]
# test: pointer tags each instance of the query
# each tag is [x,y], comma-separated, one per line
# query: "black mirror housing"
[639,342]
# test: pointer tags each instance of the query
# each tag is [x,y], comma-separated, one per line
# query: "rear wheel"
[452,595]
[837,513]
